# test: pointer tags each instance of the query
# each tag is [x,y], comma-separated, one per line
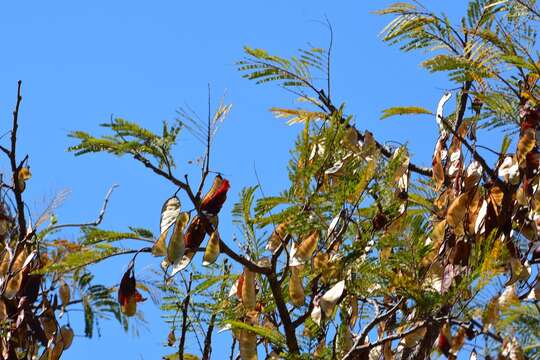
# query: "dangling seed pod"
[14,283]
[23,176]
[66,332]
[278,237]
[306,248]
[248,290]
[176,247]
[64,293]
[248,344]
[128,296]
[212,250]
[296,289]
[215,198]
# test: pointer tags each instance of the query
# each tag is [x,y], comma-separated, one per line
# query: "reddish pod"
[443,345]
[128,296]
[216,197]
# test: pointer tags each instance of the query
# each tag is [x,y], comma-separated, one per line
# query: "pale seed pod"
[248,290]
[330,298]
[248,345]
[66,333]
[296,289]
[212,250]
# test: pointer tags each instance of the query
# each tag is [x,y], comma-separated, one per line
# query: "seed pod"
[23,176]
[215,198]
[320,261]
[413,338]
[248,345]
[330,298]
[128,296]
[48,322]
[169,213]
[56,351]
[176,248]
[171,338]
[248,290]
[64,293]
[195,233]
[238,287]
[3,311]
[14,283]
[306,248]
[215,186]
[212,250]
[296,289]
[66,332]
[278,237]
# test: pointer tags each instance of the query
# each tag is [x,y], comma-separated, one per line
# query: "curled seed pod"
[248,290]
[296,289]
[214,200]
[330,298]
[212,250]
[238,287]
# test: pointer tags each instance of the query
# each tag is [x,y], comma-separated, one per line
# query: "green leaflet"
[83,257]
[272,335]
[404,110]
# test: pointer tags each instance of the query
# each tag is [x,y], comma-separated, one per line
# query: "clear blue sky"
[81,61]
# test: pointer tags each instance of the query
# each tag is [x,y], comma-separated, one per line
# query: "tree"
[35,292]
[365,255]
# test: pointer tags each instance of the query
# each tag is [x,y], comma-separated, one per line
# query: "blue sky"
[83,61]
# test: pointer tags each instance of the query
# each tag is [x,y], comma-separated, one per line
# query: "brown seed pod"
[296,288]
[248,290]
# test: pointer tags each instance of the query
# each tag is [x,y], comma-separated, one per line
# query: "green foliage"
[130,138]
[404,110]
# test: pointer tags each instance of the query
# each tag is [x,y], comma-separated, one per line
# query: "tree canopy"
[363,255]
